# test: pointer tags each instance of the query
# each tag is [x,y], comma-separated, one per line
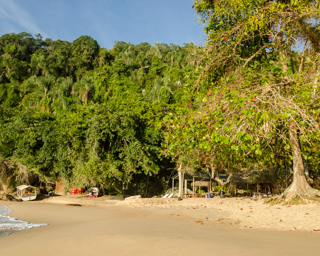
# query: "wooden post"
[193,187]
[172,185]
[247,188]
[180,181]
[185,186]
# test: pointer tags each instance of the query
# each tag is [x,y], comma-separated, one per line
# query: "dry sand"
[241,212]
[229,226]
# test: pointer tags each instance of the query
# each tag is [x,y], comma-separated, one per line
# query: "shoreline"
[147,227]
[238,212]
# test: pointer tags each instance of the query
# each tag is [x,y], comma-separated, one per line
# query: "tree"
[261,102]
[85,89]
[61,90]
[15,54]
[37,93]
[84,50]
[52,59]
[161,91]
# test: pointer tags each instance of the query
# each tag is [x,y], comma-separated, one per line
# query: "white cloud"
[3,12]
[14,14]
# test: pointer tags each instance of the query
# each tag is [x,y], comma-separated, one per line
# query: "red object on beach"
[75,191]
[94,196]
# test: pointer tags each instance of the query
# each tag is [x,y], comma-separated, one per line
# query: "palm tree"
[62,93]
[153,51]
[161,90]
[85,89]
[37,92]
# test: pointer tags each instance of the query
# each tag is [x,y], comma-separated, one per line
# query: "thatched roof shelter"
[253,180]
[198,179]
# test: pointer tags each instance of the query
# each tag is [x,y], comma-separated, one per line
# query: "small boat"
[26,193]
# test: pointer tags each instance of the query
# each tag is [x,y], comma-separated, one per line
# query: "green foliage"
[87,114]
[253,89]
[120,117]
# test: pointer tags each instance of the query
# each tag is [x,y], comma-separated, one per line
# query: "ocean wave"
[9,225]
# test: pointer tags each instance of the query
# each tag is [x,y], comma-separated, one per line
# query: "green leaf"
[258,152]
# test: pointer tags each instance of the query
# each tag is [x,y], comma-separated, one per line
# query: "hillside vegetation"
[124,118]
[89,115]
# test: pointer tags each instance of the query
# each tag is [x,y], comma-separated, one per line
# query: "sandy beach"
[230,226]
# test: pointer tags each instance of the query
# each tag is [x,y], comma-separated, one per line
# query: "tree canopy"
[262,102]
[87,114]
[121,117]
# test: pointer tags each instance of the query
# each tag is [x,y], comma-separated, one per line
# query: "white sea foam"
[10,225]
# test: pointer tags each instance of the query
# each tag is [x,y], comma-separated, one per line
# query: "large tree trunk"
[299,188]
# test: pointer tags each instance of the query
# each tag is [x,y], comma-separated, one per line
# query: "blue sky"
[107,21]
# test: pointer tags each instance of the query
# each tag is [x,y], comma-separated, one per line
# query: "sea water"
[9,225]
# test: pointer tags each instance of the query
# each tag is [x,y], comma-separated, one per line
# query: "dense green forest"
[125,117]
[89,115]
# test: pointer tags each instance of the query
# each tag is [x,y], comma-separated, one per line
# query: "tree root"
[298,199]
[290,198]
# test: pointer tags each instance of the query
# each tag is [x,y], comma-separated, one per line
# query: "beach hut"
[26,193]
[197,180]
[254,183]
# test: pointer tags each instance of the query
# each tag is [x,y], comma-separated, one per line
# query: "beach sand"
[163,227]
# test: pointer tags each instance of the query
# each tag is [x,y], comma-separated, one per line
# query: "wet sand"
[120,229]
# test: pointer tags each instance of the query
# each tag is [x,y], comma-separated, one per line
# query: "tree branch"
[254,55]
[302,56]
